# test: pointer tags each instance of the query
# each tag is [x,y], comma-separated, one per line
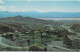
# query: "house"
[72,41]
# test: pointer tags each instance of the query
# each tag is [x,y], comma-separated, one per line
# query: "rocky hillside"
[28,21]
[76,27]
[4,29]
[23,23]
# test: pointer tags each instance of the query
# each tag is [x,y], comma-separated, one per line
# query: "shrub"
[35,48]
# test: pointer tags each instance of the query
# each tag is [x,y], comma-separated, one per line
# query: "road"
[62,48]
[58,45]
[16,47]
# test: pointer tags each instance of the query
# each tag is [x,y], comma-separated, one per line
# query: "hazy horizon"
[40,6]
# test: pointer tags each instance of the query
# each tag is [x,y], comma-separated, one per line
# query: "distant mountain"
[41,15]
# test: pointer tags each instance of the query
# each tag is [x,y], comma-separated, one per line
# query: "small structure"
[8,35]
[72,41]
[23,36]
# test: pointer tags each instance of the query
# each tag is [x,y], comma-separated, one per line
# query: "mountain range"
[40,14]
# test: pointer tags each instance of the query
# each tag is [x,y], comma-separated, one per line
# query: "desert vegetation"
[32,34]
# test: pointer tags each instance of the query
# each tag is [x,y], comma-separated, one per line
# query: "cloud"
[55,0]
[2,8]
[1,1]
[28,0]
[12,9]
[42,0]
[24,9]
[7,8]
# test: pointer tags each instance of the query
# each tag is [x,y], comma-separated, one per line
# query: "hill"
[23,23]
[28,20]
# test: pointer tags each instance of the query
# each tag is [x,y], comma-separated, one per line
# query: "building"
[72,41]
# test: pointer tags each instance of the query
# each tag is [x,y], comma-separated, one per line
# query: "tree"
[28,42]
[32,32]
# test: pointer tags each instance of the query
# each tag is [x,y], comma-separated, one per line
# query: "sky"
[40,5]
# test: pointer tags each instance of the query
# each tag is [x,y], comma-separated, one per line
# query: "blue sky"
[40,5]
